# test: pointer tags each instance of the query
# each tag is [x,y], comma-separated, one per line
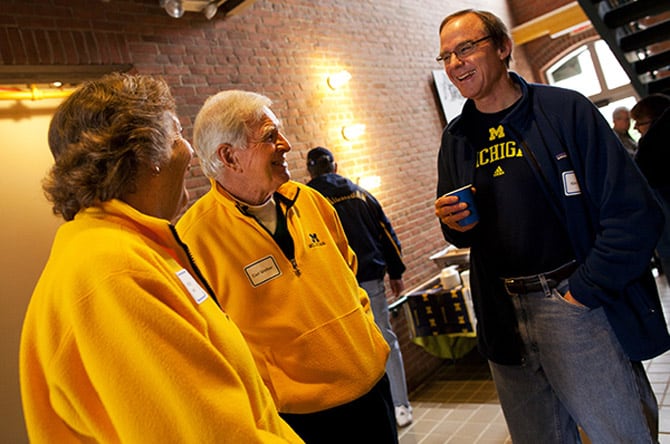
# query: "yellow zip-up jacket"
[308,323]
[122,342]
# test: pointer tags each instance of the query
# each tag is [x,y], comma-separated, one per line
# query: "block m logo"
[496,133]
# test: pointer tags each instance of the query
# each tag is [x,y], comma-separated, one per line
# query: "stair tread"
[632,11]
[659,32]
[661,85]
[652,62]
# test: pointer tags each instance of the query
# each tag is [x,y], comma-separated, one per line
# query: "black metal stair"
[638,33]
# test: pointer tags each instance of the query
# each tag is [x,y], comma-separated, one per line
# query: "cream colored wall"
[27,227]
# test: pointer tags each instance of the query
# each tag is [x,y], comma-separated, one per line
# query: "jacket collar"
[156,228]
[286,194]
[457,126]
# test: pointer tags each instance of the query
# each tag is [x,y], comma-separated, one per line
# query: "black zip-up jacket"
[612,219]
[368,230]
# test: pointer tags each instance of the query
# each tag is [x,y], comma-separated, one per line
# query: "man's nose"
[282,143]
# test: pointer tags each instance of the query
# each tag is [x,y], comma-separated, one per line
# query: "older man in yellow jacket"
[276,252]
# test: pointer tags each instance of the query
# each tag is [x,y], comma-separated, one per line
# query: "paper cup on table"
[449,277]
[465,195]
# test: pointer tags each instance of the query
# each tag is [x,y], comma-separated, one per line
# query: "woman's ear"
[227,156]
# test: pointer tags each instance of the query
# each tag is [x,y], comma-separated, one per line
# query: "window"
[576,71]
[582,69]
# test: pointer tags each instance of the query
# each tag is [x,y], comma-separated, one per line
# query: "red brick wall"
[284,50]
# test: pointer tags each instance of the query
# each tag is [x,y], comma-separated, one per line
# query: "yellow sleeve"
[151,365]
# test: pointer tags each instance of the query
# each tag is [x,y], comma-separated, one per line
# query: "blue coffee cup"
[466,195]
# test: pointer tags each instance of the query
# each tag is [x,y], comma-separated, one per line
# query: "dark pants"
[370,415]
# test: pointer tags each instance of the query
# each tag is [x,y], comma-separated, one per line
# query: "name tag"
[570,184]
[262,271]
[195,290]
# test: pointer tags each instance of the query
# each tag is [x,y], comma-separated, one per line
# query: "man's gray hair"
[225,118]
[619,110]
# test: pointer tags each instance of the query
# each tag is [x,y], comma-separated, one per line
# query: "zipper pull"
[296,270]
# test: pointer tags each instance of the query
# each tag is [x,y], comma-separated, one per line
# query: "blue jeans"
[574,374]
[394,365]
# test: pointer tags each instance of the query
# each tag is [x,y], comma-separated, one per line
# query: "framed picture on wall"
[452,101]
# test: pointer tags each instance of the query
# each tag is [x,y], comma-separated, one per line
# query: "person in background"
[565,300]
[123,340]
[376,245]
[652,118]
[650,115]
[290,276]
[621,127]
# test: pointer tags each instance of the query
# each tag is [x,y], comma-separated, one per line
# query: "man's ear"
[334,167]
[506,49]
[228,157]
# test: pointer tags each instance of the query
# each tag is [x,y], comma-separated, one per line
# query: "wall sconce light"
[338,79]
[370,182]
[353,132]
[210,10]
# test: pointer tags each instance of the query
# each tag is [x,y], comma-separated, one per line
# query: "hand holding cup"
[456,209]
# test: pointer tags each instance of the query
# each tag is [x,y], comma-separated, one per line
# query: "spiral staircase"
[638,33]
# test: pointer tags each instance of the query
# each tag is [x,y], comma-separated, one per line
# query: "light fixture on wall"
[353,132]
[209,8]
[369,183]
[338,79]
[34,93]
[174,8]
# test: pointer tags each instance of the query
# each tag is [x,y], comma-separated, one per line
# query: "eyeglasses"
[638,124]
[462,50]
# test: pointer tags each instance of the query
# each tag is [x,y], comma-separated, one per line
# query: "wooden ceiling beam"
[560,20]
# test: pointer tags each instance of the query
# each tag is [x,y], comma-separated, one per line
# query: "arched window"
[592,69]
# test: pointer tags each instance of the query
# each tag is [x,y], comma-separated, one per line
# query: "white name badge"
[570,184]
[262,271]
[196,291]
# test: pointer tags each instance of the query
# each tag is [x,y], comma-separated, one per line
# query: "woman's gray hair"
[225,118]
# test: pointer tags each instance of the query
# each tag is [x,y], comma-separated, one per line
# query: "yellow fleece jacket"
[307,322]
[122,342]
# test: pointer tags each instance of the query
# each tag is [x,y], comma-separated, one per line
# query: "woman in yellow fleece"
[123,340]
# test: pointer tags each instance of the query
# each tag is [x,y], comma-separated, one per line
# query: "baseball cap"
[317,153]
